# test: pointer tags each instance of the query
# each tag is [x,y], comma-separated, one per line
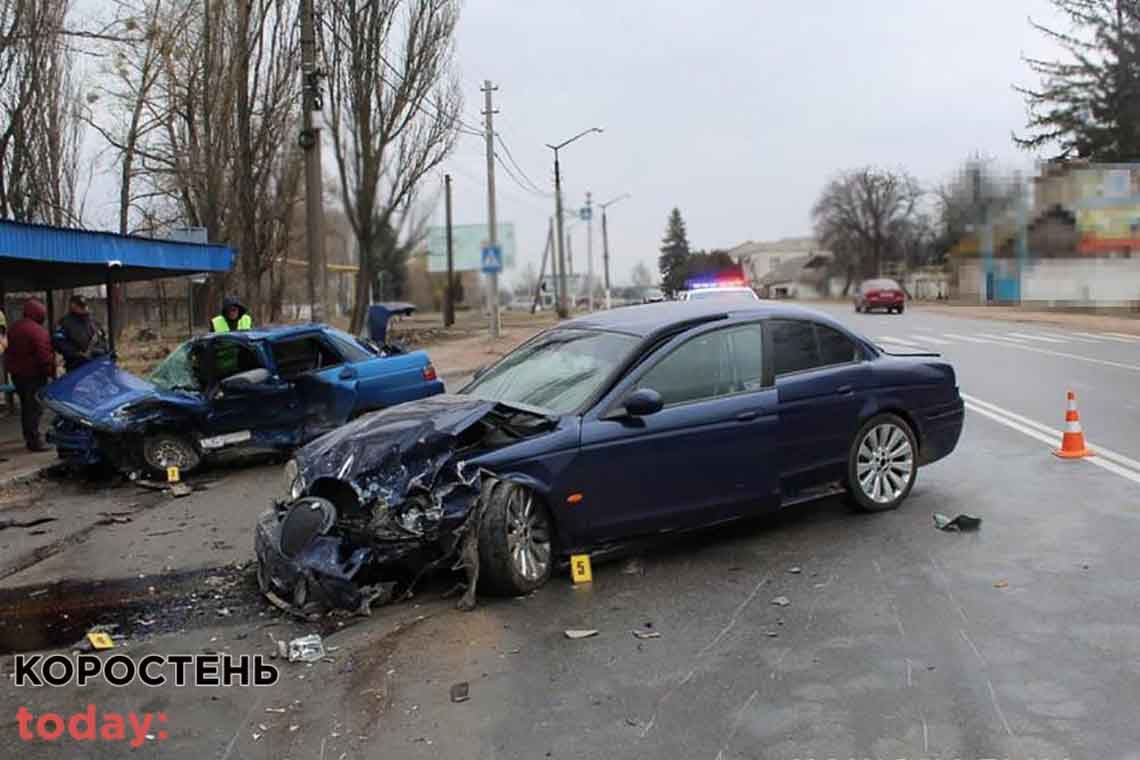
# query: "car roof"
[272,332]
[648,319]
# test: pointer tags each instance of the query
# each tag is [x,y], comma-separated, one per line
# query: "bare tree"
[862,211]
[642,276]
[39,102]
[393,112]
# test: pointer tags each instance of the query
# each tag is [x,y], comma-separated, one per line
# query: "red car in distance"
[880,294]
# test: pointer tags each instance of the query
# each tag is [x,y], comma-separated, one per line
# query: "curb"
[25,476]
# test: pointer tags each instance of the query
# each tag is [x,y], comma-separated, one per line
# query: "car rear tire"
[900,310]
[882,464]
[166,449]
[516,549]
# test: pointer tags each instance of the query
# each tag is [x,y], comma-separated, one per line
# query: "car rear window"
[880,285]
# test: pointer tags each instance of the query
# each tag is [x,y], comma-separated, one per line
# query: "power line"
[521,172]
[465,127]
[518,181]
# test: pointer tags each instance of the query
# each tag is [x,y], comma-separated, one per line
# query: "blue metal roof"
[38,257]
[650,318]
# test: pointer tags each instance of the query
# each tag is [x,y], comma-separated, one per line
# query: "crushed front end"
[379,502]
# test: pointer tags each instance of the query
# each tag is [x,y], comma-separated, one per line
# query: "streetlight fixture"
[606,242]
[563,311]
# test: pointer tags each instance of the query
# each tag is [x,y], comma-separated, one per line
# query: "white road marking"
[1073,336]
[1126,336]
[1103,336]
[900,341]
[1042,338]
[966,338]
[1002,338]
[1107,459]
[929,339]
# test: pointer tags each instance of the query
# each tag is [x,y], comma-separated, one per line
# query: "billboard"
[467,241]
[1108,208]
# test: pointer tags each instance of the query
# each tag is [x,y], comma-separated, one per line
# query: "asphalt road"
[898,641]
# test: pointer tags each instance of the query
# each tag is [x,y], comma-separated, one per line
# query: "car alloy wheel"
[528,535]
[516,541]
[883,463]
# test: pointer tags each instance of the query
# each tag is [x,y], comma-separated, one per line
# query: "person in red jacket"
[30,361]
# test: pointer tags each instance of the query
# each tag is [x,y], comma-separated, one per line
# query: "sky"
[735,111]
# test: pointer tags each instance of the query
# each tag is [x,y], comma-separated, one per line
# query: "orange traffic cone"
[1073,441]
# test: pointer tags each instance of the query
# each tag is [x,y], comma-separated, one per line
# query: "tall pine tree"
[1089,105]
[674,260]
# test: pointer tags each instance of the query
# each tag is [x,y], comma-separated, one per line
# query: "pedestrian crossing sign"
[492,259]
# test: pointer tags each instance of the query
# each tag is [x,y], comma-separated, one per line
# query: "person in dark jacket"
[78,338]
[31,363]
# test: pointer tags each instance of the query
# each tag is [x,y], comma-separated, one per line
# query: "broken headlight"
[294,483]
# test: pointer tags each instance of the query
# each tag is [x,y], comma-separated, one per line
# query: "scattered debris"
[646,634]
[306,649]
[460,692]
[962,522]
[772,634]
[1001,584]
[781,601]
[293,728]
[180,489]
[275,710]
[4,524]
[633,566]
[573,633]
[795,570]
[225,612]
[40,592]
[256,736]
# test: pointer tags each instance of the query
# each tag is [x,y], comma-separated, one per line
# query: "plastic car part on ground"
[962,522]
[385,499]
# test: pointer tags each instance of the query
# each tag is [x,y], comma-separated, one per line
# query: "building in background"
[759,259]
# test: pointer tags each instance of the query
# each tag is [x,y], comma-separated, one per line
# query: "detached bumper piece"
[305,570]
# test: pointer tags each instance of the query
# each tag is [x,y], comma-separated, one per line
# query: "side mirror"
[246,380]
[641,403]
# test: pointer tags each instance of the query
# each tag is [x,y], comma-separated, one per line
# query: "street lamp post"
[563,311]
[606,243]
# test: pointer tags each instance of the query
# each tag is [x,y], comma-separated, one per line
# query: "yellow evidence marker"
[580,568]
[100,641]
[173,475]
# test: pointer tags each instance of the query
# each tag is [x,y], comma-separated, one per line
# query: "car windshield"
[700,295]
[556,372]
[178,372]
[880,285]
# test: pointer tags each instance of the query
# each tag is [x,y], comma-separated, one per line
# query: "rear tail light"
[872,294]
[429,373]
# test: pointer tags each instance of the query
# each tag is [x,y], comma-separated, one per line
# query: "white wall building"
[759,259]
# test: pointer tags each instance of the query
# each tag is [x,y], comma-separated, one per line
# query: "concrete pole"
[311,143]
[606,258]
[560,286]
[589,253]
[492,224]
[449,290]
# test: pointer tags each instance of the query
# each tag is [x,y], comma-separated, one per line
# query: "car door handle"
[747,416]
[844,389]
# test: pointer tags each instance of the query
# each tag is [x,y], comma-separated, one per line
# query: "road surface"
[1021,640]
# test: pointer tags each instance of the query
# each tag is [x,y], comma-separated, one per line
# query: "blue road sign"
[492,259]
[585,213]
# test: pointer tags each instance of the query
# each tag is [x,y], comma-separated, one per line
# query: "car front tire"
[516,548]
[882,464]
[166,449]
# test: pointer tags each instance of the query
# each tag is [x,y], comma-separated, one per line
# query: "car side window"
[794,346]
[698,369]
[748,356]
[834,346]
[232,357]
[296,356]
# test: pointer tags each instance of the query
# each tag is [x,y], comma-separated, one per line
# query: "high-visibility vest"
[220,325]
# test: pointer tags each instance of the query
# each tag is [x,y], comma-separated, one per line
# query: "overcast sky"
[736,111]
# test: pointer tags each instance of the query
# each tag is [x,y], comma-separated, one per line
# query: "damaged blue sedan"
[621,424]
[227,395]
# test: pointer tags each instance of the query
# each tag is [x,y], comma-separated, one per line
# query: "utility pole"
[560,280]
[310,142]
[606,243]
[493,236]
[542,267]
[589,253]
[449,291]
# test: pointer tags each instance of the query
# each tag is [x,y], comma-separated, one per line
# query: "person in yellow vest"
[234,316]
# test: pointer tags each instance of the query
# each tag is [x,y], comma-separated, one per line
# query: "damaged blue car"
[234,394]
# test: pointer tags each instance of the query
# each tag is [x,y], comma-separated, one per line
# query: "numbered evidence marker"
[580,568]
[100,641]
[172,475]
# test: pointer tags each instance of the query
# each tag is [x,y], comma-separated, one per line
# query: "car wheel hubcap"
[884,463]
[528,535]
[170,454]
